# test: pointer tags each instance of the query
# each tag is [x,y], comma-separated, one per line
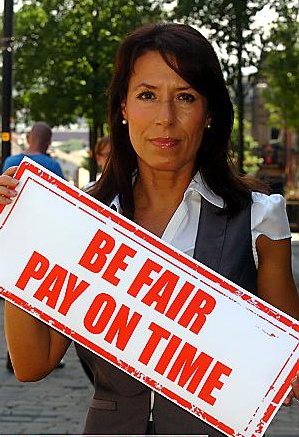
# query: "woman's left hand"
[7,186]
[294,393]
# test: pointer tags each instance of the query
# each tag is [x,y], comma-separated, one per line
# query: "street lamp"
[7,78]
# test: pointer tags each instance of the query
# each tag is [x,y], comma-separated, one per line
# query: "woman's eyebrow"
[154,87]
[145,85]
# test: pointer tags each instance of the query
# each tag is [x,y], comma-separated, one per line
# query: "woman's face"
[166,116]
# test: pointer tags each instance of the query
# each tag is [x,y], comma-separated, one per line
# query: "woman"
[101,151]
[170,121]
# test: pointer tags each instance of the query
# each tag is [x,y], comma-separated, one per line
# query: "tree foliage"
[64,53]
[281,71]
[252,161]
[231,25]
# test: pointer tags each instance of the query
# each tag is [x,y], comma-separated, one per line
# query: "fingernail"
[295,380]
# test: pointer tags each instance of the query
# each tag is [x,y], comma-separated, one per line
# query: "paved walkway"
[58,404]
[55,405]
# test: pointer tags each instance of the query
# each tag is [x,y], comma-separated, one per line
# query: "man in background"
[38,139]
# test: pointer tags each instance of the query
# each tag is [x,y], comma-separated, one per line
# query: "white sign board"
[179,327]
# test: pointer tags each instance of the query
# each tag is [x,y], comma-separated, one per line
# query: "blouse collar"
[197,185]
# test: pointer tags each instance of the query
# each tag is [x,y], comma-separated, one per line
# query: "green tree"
[231,26]
[281,71]
[64,54]
[252,161]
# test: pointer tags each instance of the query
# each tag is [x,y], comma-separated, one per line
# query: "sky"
[2,4]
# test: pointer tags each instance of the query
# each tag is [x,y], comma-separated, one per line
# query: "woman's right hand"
[7,186]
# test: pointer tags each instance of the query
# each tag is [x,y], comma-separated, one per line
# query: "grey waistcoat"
[121,404]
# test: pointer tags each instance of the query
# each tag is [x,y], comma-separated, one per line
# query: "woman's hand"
[294,393]
[7,186]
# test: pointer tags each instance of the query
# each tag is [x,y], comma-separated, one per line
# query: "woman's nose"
[165,112]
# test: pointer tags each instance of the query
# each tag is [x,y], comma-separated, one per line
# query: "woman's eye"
[186,97]
[146,95]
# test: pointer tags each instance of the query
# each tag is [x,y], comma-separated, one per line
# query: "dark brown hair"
[193,58]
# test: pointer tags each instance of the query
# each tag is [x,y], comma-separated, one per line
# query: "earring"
[124,121]
[209,126]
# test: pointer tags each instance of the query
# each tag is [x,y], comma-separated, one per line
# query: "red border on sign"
[134,231]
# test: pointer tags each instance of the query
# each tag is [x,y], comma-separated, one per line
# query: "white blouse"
[268,216]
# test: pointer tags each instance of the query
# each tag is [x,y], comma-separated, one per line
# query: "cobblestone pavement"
[55,405]
[58,403]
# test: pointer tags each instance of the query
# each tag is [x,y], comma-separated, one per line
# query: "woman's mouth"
[164,143]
